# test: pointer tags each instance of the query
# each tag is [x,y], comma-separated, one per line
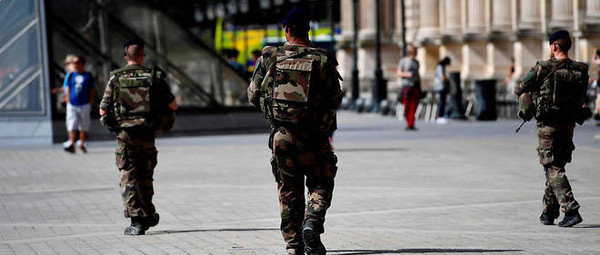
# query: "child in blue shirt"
[79,87]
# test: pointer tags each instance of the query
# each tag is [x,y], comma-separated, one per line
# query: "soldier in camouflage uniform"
[297,88]
[557,89]
[136,153]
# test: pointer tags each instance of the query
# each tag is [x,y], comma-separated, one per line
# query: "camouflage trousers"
[555,149]
[296,155]
[136,159]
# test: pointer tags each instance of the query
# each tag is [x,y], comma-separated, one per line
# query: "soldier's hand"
[102,112]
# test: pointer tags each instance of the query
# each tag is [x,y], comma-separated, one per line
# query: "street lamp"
[379,84]
[232,7]
[331,26]
[281,33]
[198,15]
[210,12]
[244,6]
[220,10]
[264,6]
[354,85]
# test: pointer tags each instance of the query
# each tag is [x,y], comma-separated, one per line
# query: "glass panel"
[28,99]
[195,74]
[14,16]
[19,64]
[82,21]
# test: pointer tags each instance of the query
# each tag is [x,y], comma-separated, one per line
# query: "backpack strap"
[555,69]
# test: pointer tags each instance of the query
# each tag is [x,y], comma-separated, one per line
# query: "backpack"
[562,93]
[286,88]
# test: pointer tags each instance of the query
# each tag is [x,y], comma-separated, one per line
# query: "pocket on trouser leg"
[122,158]
[274,169]
[546,156]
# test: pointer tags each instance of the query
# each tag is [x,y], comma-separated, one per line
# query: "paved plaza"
[462,188]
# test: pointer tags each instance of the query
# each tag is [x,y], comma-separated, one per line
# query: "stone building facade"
[480,36]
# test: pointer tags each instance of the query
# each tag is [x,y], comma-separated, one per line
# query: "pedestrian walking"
[136,103]
[408,72]
[557,89]
[441,85]
[79,87]
[297,87]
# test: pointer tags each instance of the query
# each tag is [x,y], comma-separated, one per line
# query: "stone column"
[592,15]
[590,20]
[501,16]
[346,19]
[429,19]
[475,54]
[411,8]
[529,15]
[562,14]
[452,27]
[367,20]
[500,48]
[344,54]
[476,17]
[452,16]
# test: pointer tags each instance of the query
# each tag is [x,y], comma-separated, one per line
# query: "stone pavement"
[460,188]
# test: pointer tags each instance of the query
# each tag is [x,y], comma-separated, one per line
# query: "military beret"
[298,17]
[133,41]
[560,34]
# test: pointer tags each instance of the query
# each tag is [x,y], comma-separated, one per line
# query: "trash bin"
[485,100]
[455,109]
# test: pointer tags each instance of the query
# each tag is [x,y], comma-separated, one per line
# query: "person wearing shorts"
[79,86]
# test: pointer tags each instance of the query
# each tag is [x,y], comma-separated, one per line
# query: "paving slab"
[462,188]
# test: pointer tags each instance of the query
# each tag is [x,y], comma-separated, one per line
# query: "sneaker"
[441,121]
[312,241]
[83,149]
[547,219]
[411,129]
[70,149]
[570,219]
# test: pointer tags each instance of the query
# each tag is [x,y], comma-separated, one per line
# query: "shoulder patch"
[269,50]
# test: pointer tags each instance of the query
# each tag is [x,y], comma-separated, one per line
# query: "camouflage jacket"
[161,90]
[557,88]
[325,93]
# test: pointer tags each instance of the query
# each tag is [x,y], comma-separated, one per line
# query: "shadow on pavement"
[369,149]
[162,232]
[425,250]
[588,226]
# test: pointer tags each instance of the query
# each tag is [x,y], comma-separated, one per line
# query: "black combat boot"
[312,241]
[151,220]
[570,219]
[137,227]
[547,218]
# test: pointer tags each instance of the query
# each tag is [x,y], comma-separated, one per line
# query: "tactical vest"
[133,98]
[562,93]
[287,87]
